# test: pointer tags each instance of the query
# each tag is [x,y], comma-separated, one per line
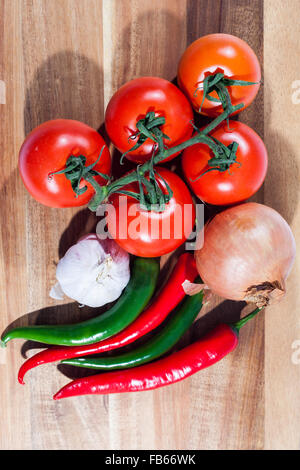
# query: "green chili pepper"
[130,304]
[174,329]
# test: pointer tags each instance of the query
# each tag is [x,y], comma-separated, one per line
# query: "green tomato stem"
[201,136]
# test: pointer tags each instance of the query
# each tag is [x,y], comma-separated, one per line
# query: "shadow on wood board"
[66,86]
[283,169]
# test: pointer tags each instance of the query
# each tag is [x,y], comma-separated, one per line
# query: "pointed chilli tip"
[56,396]
[21,380]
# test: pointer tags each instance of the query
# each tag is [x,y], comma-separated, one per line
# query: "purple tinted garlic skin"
[93,272]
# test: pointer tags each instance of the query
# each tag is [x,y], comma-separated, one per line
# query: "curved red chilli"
[173,368]
[166,300]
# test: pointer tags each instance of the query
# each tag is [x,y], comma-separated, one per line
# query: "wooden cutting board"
[65,59]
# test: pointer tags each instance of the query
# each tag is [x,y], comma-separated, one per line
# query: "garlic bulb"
[93,272]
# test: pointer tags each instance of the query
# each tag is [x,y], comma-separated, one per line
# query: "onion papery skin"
[247,254]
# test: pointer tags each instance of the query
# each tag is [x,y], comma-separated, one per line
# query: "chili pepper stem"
[238,325]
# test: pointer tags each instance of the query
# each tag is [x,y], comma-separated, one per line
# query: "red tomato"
[148,233]
[242,181]
[133,101]
[218,53]
[46,150]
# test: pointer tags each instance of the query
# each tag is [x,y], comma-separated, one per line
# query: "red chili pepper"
[203,353]
[169,297]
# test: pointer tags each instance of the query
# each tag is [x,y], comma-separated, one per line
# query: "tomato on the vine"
[46,151]
[133,101]
[150,233]
[218,53]
[241,180]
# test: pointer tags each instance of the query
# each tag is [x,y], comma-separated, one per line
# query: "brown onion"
[247,254]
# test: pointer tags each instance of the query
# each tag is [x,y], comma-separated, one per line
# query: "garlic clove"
[56,292]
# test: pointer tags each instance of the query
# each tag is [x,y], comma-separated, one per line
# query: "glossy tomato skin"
[144,233]
[133,101]
[218,53]
[46,150]
[224,188]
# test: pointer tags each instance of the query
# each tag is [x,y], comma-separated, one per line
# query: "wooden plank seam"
[2,92]
[3,356]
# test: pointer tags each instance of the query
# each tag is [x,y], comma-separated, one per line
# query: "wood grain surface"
[65,58]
